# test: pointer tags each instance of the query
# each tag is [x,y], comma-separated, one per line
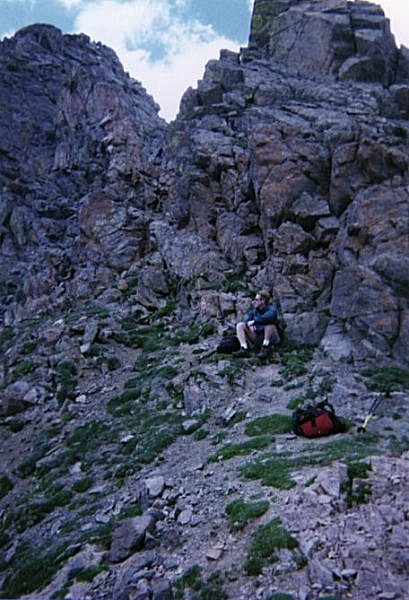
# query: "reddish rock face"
[288,164]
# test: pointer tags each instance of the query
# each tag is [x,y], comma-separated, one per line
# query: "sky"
[164,44]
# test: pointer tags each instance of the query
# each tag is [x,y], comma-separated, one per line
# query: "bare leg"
[270,334]
[244,333]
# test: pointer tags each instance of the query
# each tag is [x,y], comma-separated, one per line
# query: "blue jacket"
[262,316]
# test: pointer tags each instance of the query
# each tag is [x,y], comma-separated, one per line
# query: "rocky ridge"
[129,247]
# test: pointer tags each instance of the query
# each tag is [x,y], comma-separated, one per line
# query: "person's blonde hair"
[265,295]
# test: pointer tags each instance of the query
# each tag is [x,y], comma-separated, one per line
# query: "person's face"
[258,301]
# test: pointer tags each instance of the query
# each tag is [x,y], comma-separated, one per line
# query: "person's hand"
[250,323]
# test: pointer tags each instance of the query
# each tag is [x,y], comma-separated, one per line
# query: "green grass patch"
[294,362]
[200,434]
[88,439]
[242,449]
[240,512]
[28,347]
[210,589]
[124,403]
[296,402]
[235,282]
[42,444]
[357,492]
[275,469]
[82,485]
[385,379]
[5,485]
[66,377]
[270,424]
[191,578]
[89,573]
[232,372]
[7,335]
[25,367]
[33,508]
[267,540]
[33,567]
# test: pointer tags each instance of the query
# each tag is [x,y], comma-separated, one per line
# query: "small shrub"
[113,363]
[28,347]
[5,485]
[235,282]
[67,380]
[357,493]
[25,367]
[192,578]
[267,540]
[212,589]
[241,512]
[200,434]
[82,485]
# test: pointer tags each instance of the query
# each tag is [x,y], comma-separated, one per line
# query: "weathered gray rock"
[16,398]
[129,536]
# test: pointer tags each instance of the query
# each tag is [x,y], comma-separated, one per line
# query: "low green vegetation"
[25,367]
[385,379]
[356,490]
[242,449]
[235,282]
[294,362]
[67,377]
[89,573]
[240,512]
[5,485]
[275,469]
[267,540]
[32,509]
[82,485]
[261,433]
[209,589]
[32,567]
[269,424]
[7,335]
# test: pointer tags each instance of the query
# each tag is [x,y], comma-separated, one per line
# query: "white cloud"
[397,12]
[70,3]
[137,29]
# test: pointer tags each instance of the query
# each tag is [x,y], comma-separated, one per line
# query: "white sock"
[266,343]
[244,346]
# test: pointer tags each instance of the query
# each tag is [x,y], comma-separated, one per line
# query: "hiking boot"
[264,352]
[242,353]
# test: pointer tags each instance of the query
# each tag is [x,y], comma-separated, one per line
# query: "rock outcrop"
[288,163]
[134,461]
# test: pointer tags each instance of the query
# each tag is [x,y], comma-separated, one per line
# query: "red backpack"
[317,421]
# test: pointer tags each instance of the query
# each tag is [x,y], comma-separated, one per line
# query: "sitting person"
[259,327]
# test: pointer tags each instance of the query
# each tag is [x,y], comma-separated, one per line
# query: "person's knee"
[241,326]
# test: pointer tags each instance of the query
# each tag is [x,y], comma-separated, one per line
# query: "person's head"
[262,298]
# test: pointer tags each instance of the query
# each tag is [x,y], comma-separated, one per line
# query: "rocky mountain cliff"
[129,246]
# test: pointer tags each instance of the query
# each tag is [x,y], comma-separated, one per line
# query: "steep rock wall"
[286,167]
[307,173]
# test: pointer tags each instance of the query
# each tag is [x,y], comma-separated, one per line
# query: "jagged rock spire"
[348,40]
